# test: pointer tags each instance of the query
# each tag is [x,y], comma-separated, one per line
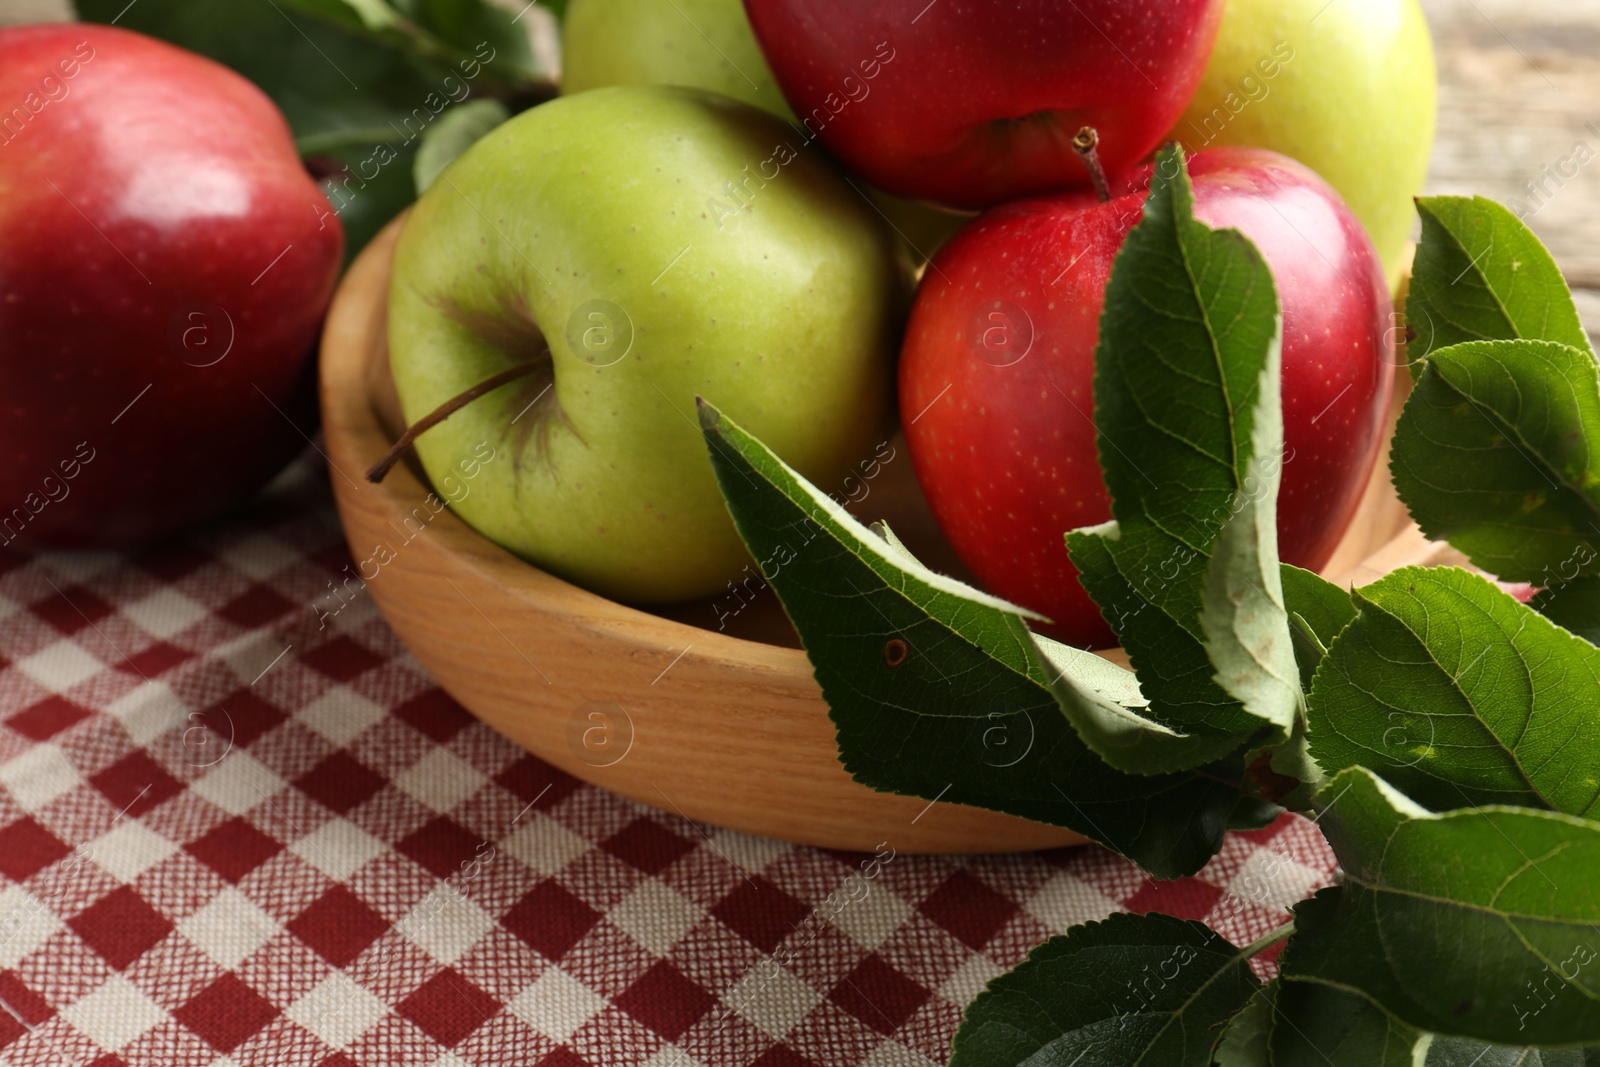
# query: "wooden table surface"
[1518,82]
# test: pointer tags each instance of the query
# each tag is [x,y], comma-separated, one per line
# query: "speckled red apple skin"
[158,185]
[1007,453]
[971,103]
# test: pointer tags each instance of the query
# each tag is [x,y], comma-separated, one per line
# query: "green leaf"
[1320,1024]
[1574,605]
[447,32]
[469,24]
[1105,705]
[456,131]
[322,63]
[328,78]
[1481,275]
[1458,694]
[1191,438]
[1316,1025]
[1310,1024]
[1464,1052]
[935,688]
[1132,991]
[365,206]
[1253,813]
[1244,1038]
[1452,922]
[1492,453]
[1318,610]
[375,15]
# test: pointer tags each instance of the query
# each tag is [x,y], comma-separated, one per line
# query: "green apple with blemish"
[579,238]
[1348,88]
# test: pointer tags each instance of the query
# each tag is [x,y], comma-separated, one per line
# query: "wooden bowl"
[727,728]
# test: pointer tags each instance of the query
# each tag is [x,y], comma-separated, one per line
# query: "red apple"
[997,373]
[973,104]
[165,262]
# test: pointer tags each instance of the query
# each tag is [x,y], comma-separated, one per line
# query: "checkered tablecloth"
[233,831]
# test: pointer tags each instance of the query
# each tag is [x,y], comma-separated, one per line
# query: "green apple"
[708,44]
[594,235]
[1348,88]
[703,44]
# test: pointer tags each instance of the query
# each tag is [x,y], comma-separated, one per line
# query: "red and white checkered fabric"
[231,837]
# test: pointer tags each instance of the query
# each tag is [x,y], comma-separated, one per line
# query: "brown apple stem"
[381,468]
[1086,143]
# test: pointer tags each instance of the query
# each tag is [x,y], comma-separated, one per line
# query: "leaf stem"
[1256,948]
[356,137]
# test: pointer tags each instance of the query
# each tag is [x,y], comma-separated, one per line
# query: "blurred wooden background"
[31,10]
[1519,82]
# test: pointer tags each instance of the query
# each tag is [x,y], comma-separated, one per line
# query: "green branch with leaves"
[1446,734]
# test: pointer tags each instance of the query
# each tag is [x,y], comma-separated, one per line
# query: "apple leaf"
[1477,923]
[1458,694]
[1244,1039]
[1574,605]
[1316,1024]
[1318,610]
[1191,439]
[936,689]
[328,78]
[447,32]
[1481,275]
[1465,1052]
[326,65]
[1253,813]
[1131,990]
[469,25]
[456,131]
[1105,705]
[1492,453]
[1300,1023]
[374,15]
[364,207]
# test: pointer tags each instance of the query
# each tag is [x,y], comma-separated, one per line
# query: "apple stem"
[1086,143]
[381,468]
